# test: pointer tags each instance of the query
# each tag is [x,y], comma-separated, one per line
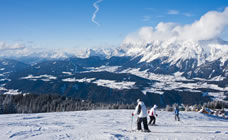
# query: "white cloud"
[19,49]
[95,5]
[209,26]
[5,46]
[28,49]
[173,12]
[15,49]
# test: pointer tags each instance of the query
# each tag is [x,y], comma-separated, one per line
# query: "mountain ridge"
[168,71]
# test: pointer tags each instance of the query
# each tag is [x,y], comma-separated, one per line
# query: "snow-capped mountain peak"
[179,50]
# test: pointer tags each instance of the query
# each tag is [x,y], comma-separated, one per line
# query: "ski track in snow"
[109,125]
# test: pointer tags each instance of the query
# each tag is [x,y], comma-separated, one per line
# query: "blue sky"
[67,23]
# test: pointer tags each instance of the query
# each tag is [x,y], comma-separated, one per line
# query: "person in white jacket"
[141,111]
[153,115]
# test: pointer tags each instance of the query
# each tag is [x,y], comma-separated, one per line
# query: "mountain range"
[159,72]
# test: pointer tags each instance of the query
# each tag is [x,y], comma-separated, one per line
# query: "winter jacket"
[176,111]
[140,110]
[152,112]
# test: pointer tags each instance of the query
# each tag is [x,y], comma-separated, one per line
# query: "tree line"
[33,103]
[196,107]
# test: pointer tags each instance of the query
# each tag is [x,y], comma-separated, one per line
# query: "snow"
[4,79]
[175,50]
[69,80]
[3,89]
[4,63]
[86,80]
[152,76]
[218,96]
[105,83]
[115,85]
[102,68]
[152,90]
[110,125]
[218,51]
[45,77]
[217,78]
[174,82]
[100,52]
[67,73]
[12,92]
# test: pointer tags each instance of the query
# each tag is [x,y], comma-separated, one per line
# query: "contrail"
[95,5]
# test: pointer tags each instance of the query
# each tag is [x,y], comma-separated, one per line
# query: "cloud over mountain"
[15,49]
[20,49]
[209,26]
[5,46]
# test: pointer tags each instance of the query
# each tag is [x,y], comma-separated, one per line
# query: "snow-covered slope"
[109,124]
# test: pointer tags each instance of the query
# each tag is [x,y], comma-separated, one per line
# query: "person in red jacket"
[153,115]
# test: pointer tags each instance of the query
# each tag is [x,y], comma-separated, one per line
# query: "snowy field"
[110,125]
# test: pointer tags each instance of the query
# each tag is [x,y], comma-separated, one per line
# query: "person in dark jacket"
[141,111]
[176,111]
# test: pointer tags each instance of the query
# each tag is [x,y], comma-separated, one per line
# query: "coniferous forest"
[33,103]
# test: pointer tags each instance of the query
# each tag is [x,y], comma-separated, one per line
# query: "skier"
[153,114]
[141,111]
[176,111]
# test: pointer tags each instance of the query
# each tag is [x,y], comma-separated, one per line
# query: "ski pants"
[177,117]
[139,121]
[152,119]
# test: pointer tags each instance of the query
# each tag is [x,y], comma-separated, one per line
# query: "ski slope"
[109,125]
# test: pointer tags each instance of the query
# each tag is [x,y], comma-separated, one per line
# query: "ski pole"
[131,121]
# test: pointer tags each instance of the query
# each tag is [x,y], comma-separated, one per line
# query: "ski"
[125,130]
